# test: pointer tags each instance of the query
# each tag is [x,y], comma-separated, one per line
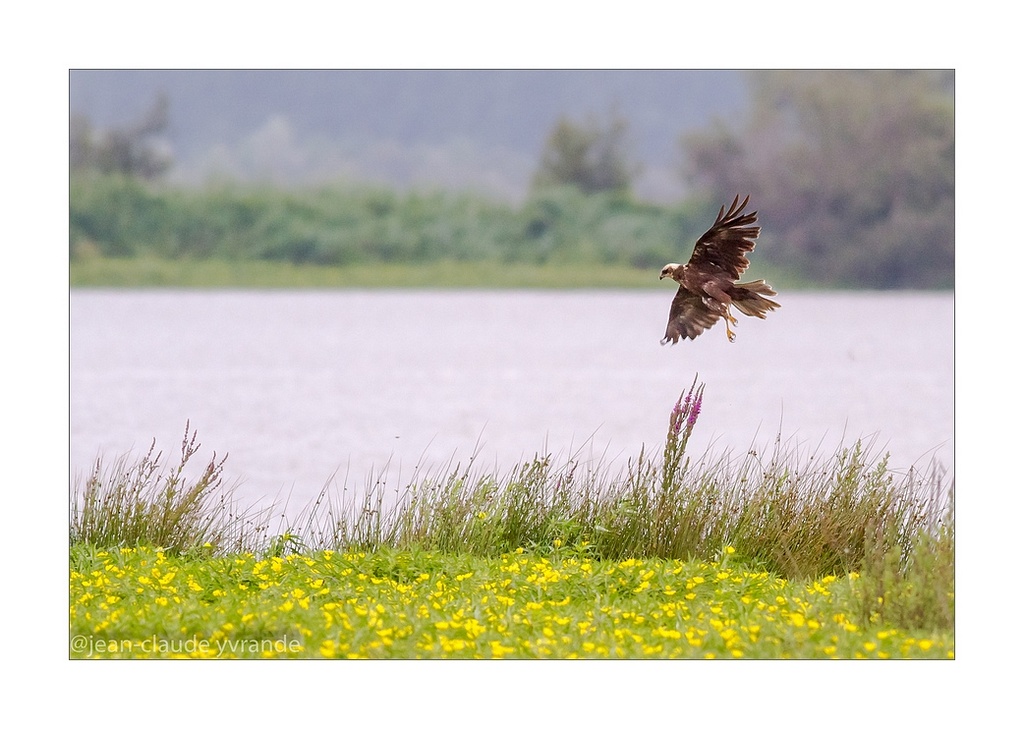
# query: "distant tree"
[138,150]
[852,172]
[589,156]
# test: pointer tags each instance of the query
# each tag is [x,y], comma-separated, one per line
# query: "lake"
[300,386]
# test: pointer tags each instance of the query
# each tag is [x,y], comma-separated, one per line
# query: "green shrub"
[339,224]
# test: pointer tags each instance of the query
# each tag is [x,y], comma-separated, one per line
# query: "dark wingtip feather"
[734,209]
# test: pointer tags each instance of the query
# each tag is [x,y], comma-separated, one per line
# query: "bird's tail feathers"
[753,303]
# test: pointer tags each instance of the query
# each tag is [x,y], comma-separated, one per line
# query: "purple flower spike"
[694,411]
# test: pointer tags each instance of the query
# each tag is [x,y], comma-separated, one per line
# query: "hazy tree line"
[135,150]
[852,173]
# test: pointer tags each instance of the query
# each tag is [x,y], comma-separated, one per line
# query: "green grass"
[830,556]
[212,273]
[141,501]
[148,271]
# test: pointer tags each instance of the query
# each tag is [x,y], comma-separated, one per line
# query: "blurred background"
[852,170]
[197,196]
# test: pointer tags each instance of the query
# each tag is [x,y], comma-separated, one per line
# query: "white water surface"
[300,386]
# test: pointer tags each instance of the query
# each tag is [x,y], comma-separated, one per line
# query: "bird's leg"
[721,298]
[729,318]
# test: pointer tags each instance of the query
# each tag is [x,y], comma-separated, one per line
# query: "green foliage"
[852,171]
[590,157]
[118,216]
[564,224]
[913,585]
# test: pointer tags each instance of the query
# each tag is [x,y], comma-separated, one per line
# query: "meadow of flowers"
[770,558]
[143,602]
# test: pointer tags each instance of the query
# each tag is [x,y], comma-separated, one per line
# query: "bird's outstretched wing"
[688,317]
[721,248]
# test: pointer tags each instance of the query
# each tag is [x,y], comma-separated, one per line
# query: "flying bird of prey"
[709,283]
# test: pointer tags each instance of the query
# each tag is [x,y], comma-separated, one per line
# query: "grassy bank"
[212,273]
[830,555]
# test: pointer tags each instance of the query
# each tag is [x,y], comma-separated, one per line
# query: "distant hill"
[459,129]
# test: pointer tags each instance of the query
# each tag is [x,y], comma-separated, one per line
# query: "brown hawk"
[709,283]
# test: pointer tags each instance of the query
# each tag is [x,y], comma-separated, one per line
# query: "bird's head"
[668,270]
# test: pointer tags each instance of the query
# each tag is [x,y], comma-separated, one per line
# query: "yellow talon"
[729,318]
